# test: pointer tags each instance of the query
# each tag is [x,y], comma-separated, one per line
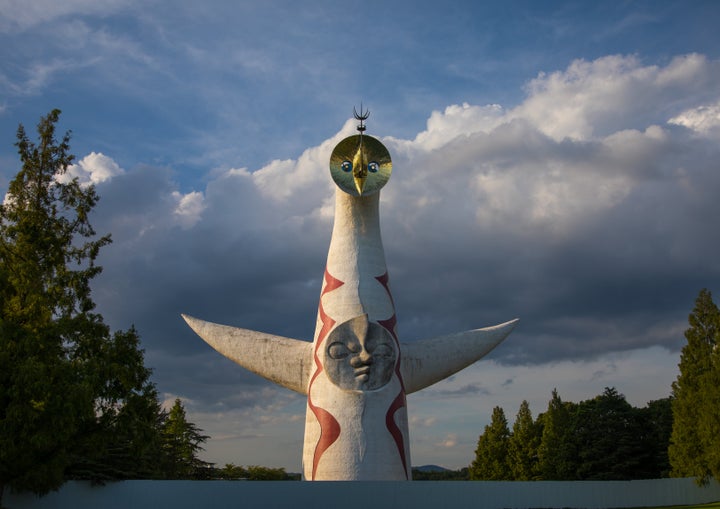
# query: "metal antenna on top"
[362,117]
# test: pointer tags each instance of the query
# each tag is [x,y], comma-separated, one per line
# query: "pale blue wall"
[368,495]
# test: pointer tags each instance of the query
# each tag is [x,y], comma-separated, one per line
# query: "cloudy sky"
[553,161]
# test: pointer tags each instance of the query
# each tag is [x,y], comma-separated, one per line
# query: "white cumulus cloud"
[458,120]
[94,168]
[702,119]
[596,98]
[189,207]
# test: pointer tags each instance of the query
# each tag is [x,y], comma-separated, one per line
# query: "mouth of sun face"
[363,373]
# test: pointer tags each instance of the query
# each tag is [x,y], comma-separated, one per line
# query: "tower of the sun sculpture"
[356,372]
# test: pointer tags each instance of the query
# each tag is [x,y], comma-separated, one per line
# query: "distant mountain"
[431,468]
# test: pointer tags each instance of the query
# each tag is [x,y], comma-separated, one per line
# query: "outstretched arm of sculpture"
[281,360]
[428,361]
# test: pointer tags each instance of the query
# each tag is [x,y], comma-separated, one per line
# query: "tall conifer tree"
[694,441]
[64,378]
[181,444]
[523,445]
[607,437]
[709,426]
[491,458]
[556,454]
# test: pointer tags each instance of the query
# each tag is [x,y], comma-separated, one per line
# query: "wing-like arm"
[281,360]
[431,360]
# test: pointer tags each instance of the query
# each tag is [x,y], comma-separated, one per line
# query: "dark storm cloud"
[466,390]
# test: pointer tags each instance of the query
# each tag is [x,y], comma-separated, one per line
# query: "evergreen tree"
[491,455]
[656,423]
[124,442]
[181,444]
[556,453]
[607,438]
[64,379]
[694,443]
[523,445]
[709,425]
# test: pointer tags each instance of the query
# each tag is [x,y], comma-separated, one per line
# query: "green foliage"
[75,400]
[709,425]
[556,454]
[42,217]
[181,441]
[523,445]
[40,409]
[656,422]
[233,472]
[125,443]
[607,434]
[258,473]
[445,475]
[602,438]
[695,443]
[491,455]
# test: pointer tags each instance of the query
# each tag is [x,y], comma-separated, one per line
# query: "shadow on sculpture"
[355,373]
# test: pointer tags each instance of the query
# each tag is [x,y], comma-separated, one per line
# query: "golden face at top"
[360,165]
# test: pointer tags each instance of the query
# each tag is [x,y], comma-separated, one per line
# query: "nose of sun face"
[362,358]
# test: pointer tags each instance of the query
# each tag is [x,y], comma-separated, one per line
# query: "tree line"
[232,472]
[603,438]
[606,438]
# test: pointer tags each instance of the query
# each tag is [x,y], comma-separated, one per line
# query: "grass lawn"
[714,505]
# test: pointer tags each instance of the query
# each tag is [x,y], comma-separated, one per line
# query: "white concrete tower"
[355,373]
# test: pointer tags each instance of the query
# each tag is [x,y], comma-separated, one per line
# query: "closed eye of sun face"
[338,350]
[383,350]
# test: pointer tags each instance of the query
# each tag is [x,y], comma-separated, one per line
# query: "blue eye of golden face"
[373,167]
[346,166]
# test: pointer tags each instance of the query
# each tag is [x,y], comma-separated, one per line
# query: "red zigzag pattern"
[329,426]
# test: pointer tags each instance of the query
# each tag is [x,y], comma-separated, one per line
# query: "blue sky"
[554,161]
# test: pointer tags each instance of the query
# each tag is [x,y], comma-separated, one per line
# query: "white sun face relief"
[360,355]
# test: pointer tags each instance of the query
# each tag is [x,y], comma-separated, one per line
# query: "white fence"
[369,495]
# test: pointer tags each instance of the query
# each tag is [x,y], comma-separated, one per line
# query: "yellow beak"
[360,184]
[360,169]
